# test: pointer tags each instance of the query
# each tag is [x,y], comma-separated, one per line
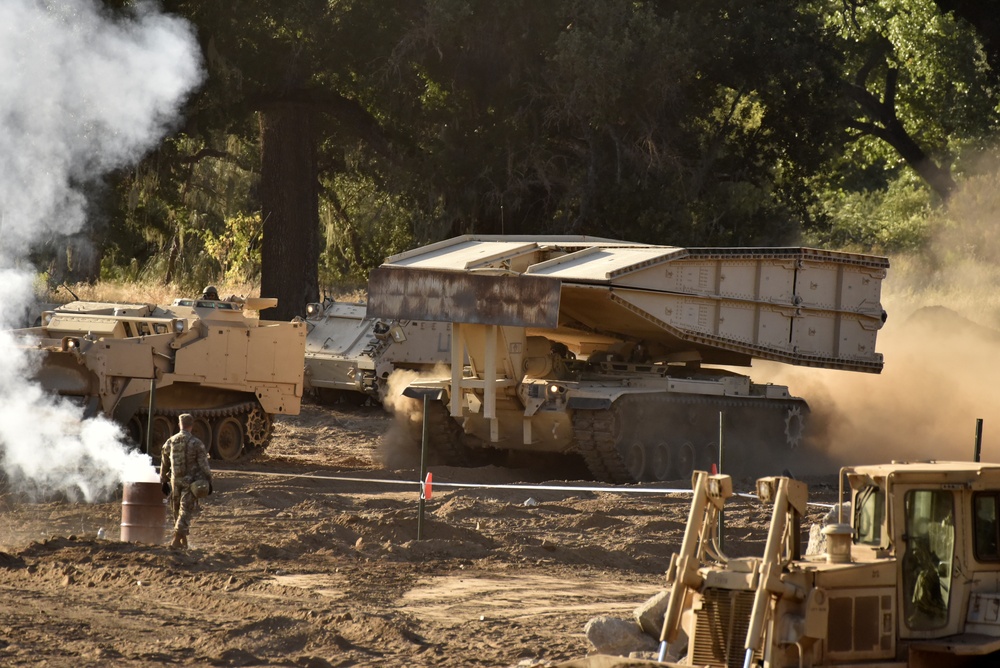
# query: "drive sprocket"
[258,428]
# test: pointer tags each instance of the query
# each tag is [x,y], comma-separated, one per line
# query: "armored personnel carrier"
[143,365]
[618,351]
[350,356]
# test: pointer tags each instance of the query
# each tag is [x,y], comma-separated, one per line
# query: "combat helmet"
[200,489]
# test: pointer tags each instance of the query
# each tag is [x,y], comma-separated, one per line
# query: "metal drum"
[144,513]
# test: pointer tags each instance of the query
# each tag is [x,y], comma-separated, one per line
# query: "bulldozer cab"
[940,523]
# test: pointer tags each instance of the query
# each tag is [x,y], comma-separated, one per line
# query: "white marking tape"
[437,483]
[475,485]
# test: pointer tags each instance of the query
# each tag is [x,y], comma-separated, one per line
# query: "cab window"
[869,514]
[986,527]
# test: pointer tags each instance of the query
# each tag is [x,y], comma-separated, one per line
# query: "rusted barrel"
[144,513]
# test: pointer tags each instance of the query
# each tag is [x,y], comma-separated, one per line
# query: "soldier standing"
[185,477]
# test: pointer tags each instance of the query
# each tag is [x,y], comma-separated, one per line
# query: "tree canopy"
[330,133]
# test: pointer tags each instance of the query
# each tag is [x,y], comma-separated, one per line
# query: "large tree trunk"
[289,197]
[885,125]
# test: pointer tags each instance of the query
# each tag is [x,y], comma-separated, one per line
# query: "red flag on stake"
[427,486]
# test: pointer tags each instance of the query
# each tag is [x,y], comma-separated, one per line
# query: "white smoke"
[82,92]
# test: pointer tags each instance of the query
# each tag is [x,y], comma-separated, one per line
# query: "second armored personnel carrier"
[143,365]
[351,356]
[618,351]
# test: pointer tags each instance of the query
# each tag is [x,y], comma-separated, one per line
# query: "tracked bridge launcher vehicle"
[351,356]
[910,578]
[613,350]
[229,369]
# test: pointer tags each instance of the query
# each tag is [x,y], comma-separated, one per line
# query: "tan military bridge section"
[799,306]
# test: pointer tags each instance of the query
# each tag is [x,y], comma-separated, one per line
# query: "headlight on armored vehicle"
[397,334]
[47,318]
[556,390]
[313,309]
[70,343]
[179,326]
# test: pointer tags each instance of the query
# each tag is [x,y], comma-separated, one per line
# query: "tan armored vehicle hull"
[209,358]
[602,348]
[351,356]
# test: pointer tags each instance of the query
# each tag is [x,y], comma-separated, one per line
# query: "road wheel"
[358,399]
[635,458]
[162,430]
[685,458]
[660,462]
[136,431]
[202,430]
[328,396]
[228,445]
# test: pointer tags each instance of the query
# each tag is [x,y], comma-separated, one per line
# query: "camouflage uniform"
[184,460]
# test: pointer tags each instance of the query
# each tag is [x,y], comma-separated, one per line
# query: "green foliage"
[645,120]
[237,248]
[714,122]
[361,227]
[946,96]
[893,220]
[938,115]
[175,200]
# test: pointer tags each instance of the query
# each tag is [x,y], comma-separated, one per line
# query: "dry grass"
[140,293]
[966,285]
[158,293]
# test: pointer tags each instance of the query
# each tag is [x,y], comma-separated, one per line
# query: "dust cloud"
[924,405]
[82,92]
[941,345]
[395,448]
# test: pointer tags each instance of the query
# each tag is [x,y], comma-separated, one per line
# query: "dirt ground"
[290,566]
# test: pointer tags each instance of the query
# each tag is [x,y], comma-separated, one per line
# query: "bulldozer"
[142,365]
[910,576]
[349,356]
[623,353]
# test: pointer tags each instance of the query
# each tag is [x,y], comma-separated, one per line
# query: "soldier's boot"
[179,541]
